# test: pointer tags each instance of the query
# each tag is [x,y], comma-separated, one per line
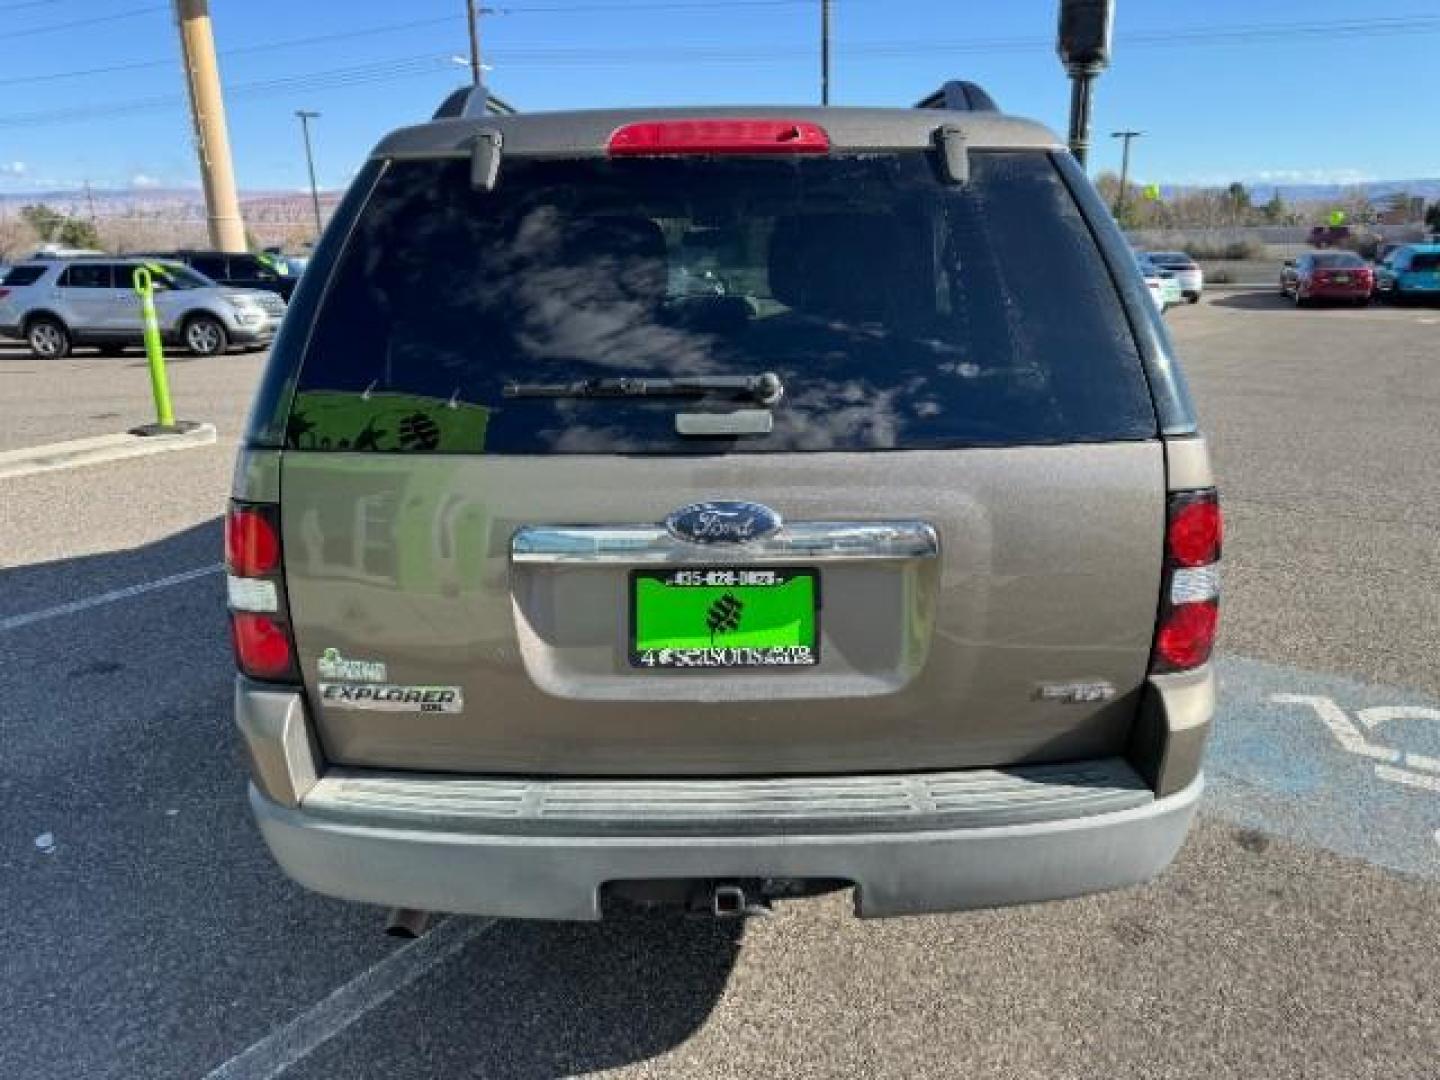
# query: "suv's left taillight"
[255,587]
[1190,587]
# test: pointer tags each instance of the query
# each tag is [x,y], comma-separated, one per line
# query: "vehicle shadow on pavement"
[1255,301]
[174,356]
[533,999]
[36,586]
[160,938]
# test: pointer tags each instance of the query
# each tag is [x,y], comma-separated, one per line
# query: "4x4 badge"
[723,523]
[331,665]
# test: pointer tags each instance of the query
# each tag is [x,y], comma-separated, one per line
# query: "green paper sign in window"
[326,420]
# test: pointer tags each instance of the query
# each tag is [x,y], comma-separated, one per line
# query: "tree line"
[1231,206]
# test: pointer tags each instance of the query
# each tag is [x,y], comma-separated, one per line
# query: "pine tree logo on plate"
[724,616]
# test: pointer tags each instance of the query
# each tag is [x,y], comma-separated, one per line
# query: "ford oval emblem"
[723,523]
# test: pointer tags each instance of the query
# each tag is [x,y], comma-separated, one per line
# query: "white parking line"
[286,1045]
[15,622]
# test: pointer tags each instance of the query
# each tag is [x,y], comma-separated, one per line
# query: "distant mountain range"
[152,200]
[1376,190]
[1428,189]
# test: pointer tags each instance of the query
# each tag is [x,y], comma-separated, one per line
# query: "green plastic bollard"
[154,349]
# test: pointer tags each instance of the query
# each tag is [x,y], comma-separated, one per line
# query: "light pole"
[1083,42]
[472,17]
[207,112]
[1124,166]
[306,116]
[824,52]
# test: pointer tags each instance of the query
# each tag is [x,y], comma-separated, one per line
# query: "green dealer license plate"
[731,617]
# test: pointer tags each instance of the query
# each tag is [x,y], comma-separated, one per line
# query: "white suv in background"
[54,305]
[1186,269]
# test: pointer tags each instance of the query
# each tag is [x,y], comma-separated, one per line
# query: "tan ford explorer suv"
[713,505]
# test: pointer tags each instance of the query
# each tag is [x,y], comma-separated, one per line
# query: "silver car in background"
[55,305]
[1185,269]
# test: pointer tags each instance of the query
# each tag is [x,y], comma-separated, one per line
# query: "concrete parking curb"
[98,450]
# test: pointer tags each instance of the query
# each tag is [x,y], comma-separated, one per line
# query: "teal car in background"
[1410,271]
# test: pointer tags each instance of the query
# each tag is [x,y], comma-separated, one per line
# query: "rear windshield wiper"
[765,389]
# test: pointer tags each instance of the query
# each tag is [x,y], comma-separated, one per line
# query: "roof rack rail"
[473,101]
[959,95]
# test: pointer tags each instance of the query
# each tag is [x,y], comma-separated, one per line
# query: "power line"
[75,24]
[390,28]
[1239,34]
[138,65]
[651,5]
[881,49]
[243,50]
[424,64]
[408,67]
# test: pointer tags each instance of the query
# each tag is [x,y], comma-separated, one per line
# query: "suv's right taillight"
[255,586]
[1190,599]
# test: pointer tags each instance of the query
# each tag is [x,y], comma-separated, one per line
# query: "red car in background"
[1328,275]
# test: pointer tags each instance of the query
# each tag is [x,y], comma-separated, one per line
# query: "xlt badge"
[1075,693]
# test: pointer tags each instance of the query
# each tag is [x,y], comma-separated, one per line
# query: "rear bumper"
[1337,292]
[251,334]
[561,877]
[910,843]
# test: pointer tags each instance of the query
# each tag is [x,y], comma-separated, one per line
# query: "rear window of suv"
[1425,260]
[899,312]
[23,275]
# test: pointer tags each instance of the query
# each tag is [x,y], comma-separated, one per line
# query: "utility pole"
[305,117]
[90,200]
[824,52]
[1124,166]
[472,15]
[1083,42]
[207,107]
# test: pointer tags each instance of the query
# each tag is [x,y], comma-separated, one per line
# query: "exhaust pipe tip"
[407,923]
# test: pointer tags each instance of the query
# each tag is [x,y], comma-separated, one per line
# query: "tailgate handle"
[725,424]
[807,541]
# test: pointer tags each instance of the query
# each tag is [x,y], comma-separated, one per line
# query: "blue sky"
[1287,91]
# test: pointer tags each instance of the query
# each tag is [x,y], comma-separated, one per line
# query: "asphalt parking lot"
[151,936]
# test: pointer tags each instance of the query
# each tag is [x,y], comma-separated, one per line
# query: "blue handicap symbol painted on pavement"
[1346,765]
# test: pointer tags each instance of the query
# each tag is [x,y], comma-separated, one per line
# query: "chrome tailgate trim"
[639,545]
